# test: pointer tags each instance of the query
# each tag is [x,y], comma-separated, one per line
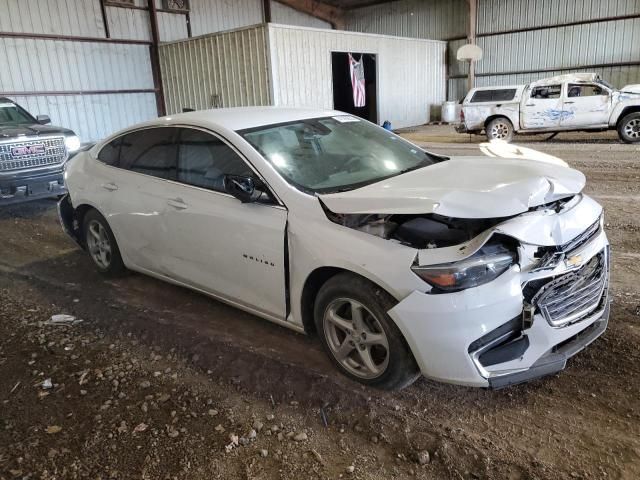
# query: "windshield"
[12,114]
[332,154]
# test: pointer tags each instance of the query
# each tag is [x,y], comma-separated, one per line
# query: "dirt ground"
[158,382]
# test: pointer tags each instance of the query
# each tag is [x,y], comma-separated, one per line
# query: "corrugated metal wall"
[228,69]
[65,78]
[604,45]
[411,72]
[286,15]
[538,53]
[434,19]
[209,16]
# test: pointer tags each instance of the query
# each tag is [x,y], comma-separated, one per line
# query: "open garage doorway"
[343,91]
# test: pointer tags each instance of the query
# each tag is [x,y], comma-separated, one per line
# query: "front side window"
[334,154]
[574,90]
[12,114]
[204,160]
[546,92]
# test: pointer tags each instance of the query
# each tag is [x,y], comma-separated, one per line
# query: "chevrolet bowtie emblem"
[574,260]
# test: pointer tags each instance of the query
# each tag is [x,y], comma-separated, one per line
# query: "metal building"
[282,65]
[89,64]
[522,40]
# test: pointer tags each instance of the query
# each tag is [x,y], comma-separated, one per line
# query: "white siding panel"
[210,16]
[172,26]
[54,17]
[411,72]
[93,117]
[286,15]
[51,65]
[128,23]
[221,70]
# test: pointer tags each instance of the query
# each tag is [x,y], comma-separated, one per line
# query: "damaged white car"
[477,271]
[573,102]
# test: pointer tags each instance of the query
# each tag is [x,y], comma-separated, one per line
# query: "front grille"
[574,295]
[550,256]
[53,153]
[583,238]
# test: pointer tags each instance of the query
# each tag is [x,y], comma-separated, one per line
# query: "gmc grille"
[54,153]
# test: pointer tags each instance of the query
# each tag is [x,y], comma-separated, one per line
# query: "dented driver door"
[542,107]
[587,105]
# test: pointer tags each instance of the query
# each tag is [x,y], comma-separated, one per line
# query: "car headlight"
[72,143]
[485,265]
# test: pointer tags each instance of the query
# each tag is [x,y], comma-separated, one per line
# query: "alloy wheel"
[99,244]
[632,128]
[356,338]
[499,131]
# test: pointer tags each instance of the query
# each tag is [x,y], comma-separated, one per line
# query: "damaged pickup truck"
[471,270]
[579,101]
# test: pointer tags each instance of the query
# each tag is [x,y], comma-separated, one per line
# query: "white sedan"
[471,270]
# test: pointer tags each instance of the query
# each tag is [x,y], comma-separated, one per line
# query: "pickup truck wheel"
[629,128]
[101,244]
[500,128]
[360,338]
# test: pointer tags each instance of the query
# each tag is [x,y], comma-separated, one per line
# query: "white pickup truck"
[580,101]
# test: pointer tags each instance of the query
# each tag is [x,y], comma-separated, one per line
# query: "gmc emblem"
[36,149]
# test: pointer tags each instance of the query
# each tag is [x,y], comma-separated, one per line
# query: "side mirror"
[43,119]
[243,188]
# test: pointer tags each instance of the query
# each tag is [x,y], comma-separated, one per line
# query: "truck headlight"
[72,143]
[487,264]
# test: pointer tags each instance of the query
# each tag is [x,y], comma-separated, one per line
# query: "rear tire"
[359,336]
[629,128]
[101,244]
[499,128]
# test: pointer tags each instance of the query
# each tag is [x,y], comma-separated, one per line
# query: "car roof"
[241,118]
[568,77]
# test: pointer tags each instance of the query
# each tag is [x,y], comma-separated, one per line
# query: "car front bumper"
[495,335]
[16,189]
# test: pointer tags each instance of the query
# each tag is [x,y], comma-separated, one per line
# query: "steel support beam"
[155,58]
[471,38]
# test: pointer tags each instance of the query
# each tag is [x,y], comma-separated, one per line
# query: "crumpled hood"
[463,187]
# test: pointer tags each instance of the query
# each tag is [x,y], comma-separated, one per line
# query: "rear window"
[500,95]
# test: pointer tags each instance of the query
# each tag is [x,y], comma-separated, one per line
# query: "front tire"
[629,128]
[101,244]
[499,128]
[359,336]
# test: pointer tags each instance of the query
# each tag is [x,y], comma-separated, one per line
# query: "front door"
[215,242]
[542,108]
[588,105]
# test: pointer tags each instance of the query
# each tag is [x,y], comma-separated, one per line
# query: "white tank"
[449,112]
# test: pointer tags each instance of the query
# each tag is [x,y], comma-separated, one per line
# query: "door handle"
[529,104]
[112,187]
[177,203]
[569,102]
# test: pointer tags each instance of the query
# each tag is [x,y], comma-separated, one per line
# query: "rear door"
[134,190]
[215,242]
[542,107]
[587,105]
